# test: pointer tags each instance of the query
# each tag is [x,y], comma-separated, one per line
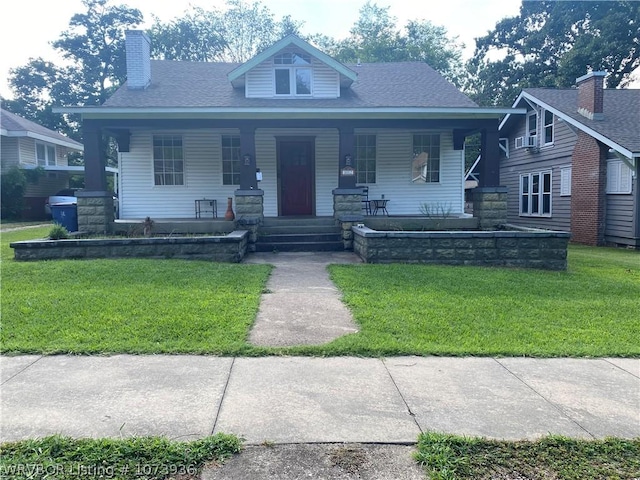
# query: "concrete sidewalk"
[294,399]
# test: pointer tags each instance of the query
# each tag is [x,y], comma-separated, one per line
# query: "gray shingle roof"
[621,121]
[202,84]
[14,123]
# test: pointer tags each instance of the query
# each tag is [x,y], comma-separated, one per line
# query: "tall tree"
[235,34]
[94,49]
[375,38]
[550,44]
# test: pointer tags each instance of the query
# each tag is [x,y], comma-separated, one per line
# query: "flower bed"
[222,248]
[526,248]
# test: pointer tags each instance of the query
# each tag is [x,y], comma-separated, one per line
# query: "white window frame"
[165,161]
[430,165]
[49,155]
[227,154]
[546,125]
[530,114]
[361,150]
[565,181]
[619,178]
[287,61]
[530,194]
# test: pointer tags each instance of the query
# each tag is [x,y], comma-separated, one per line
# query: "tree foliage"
[550,44]
[234,35]
[93,47]
[375,38]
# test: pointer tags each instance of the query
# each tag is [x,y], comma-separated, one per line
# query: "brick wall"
[591,94]
[588,182]
[138,59]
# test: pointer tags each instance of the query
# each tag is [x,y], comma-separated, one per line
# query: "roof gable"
[236,76]
[619,128]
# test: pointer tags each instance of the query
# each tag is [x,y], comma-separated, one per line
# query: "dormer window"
[292,74]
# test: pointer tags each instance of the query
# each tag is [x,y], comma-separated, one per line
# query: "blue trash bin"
[66,214]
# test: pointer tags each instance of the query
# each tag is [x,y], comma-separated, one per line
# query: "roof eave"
[44,138]
[291,112]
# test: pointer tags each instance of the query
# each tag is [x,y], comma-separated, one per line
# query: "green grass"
[447,457]
[591,310]
[178,306]
[140,458]
[127,305]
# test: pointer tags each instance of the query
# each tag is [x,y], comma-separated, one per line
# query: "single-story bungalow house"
[572,161]
[290,133]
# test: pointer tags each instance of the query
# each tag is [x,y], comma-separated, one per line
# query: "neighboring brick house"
[27,145]
[571,163]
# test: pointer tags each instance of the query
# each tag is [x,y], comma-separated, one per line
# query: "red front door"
[296,177]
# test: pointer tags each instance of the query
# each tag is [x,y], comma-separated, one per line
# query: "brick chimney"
[138,47]
[590,95]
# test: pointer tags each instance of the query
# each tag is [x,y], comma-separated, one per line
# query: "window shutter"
[565,181]
[613,177]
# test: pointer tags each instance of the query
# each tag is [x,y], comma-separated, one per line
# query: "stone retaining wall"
[229,248]
[525,249]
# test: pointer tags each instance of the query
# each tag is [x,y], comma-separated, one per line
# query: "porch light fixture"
[347,159]
[247,159]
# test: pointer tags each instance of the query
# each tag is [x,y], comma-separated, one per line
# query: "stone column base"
[347,201]
[250,214]
[490,206]
[95,213]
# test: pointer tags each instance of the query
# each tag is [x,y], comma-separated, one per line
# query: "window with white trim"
[425,166]
[532,123]
[45,154]
[292,74]
[548,127]
[618,177]
[535,194]
[565,181]
[168,160]
[231,159]
[365,158]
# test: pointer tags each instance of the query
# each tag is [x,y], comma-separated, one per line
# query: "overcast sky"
[28,26]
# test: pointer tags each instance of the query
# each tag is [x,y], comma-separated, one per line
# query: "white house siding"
[523,161]
[138,195]
[260,81]
[394,154]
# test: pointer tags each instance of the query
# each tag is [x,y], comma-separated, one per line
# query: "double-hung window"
[425,166]
[45,154]
[293,74]
[366,158]
[168,160]
[535,194]
[231,159]
[618,177]
[532,123]
[548,127]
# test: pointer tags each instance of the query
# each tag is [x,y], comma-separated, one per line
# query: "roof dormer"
[292,68]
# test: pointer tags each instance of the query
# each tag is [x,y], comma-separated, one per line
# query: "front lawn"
[448,457]
[128,305]
[180,306]
[591,310]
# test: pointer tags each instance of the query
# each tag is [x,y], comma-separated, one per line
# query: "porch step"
[299,235]
[299,247]
[299,221]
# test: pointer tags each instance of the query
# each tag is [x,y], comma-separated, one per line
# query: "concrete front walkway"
[301,305]
[299,399]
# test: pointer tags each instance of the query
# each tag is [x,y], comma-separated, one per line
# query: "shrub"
[58,232]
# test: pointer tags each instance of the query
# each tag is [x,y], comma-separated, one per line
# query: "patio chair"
[366,204]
